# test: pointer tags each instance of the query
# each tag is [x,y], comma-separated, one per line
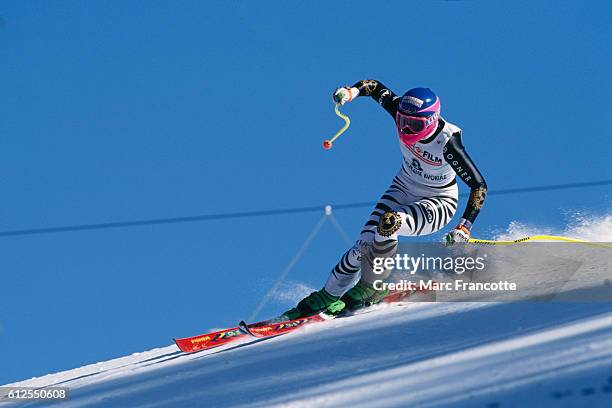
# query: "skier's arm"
[460,161]
[369,87]
[380,93]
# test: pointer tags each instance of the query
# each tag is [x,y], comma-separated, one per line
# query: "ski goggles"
[408,124]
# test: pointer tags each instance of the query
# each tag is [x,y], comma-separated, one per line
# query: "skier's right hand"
[344,95]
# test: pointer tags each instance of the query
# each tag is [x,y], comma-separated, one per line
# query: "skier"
[421,200]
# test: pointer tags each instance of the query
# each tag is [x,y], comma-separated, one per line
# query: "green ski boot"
[363,295]
[316,302]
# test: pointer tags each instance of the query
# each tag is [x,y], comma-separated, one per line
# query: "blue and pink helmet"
[417,115]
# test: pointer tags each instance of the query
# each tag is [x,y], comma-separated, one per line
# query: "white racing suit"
[421,200]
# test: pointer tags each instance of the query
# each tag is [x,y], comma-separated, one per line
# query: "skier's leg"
[342,277]
[422,217]
[347,271]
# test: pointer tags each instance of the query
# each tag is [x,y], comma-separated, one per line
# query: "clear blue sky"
[123,110]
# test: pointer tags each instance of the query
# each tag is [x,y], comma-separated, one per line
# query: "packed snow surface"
[411,354]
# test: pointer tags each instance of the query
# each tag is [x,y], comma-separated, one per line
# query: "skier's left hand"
[460,233]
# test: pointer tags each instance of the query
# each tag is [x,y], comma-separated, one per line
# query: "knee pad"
[389,223]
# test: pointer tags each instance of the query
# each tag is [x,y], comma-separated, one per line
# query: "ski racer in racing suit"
[421,199]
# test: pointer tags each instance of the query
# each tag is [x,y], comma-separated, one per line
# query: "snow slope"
[491,355]
[429,354]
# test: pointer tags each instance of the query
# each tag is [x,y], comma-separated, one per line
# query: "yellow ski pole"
[538,238]
[327,144]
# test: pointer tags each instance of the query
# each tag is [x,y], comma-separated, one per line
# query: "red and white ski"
[210,340]
[273,329]
[263,329]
